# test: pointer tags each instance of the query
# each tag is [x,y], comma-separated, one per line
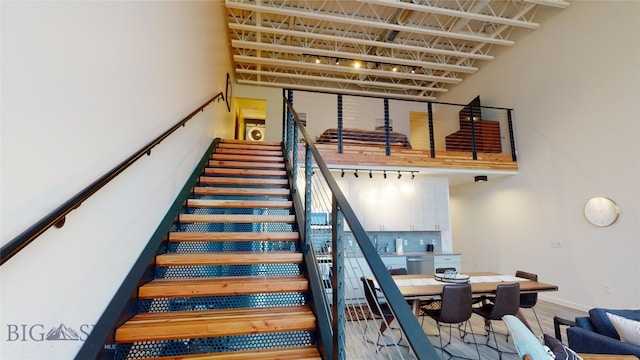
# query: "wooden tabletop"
[479,288]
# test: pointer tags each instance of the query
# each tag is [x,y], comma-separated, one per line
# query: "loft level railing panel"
[340,264]
[438,133]
[57,217]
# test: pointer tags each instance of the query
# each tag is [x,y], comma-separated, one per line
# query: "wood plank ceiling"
[398,49]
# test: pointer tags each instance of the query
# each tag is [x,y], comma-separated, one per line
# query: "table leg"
[521,317]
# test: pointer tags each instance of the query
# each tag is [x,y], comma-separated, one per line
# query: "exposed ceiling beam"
[555,3]
[453,13]
[364,22]
[357,41]
[363,83]
[351,56]
[339,91]
[343,69]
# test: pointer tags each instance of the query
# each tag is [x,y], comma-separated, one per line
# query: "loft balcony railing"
[346,328]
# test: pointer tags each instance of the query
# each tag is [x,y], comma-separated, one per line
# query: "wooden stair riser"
[236,219]
[212,323]
[232,236]
[214,171]
[228,258]
[243,151]
[222,286]
[244,144]
[200,190]
[239,204]
[297,353]
[246,164]
[248,158]
[209,180]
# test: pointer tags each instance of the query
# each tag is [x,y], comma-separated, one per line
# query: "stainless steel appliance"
[420,264]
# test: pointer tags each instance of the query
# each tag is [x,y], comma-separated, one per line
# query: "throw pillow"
[628,330]
[525,341]
[558,349]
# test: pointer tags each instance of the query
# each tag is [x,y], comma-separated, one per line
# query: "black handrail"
[57,216]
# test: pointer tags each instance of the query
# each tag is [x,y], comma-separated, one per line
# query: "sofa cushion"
[558,349]
[603,325]
[628,330]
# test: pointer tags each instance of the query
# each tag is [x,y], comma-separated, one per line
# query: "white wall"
[575,87]
[84,86]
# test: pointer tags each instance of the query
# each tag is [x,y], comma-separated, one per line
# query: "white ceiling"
[316,44]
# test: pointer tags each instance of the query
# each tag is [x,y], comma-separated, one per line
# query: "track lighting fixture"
[399,175]
[355,173]
[481,178]
[317,60]
[413,176]
[384,174]
[370,175]
[413,70]
[337,61]
[342,174]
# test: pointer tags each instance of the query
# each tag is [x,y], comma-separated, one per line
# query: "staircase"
[230,284]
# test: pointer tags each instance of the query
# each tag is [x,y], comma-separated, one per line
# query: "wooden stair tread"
[203,190]
[246,164]
[211,323]
[245,172]
[236,218]
[296,353]
[229,258]
[224,150]
[240,204]
[236,142]
[250,158]
[222,286]
[233,236]
[242,181]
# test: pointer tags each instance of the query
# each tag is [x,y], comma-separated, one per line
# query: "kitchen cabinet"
[445,261]
[357,267]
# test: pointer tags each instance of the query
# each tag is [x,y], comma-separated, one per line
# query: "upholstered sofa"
[597,335]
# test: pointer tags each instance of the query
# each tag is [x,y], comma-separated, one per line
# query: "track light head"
[355,173]
[413,176]
[399,175]
[342,173]
[480,178]
[384,174]
[370,175]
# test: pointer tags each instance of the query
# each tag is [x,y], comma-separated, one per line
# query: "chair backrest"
[507,301]
[528,300]
[456,303]
[398,271]
[369,293]
[442,270]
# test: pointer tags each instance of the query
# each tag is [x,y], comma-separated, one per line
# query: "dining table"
[418,287]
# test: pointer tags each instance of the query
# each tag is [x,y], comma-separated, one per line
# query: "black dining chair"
[506,302]
[398,271]
[528,301]
[378,309]
[456,301]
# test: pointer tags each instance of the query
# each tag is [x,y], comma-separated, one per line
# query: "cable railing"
[57,217]
[353,292]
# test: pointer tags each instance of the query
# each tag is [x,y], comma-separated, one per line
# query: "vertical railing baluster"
[432,141]
[474,149]
[387,130]
[512,141]
[294,148]
[340,124]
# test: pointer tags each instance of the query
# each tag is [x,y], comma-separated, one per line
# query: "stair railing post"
[340,149]
[294,148]
[308,177]
[337,282]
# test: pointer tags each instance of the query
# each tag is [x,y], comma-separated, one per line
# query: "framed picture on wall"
[227,93]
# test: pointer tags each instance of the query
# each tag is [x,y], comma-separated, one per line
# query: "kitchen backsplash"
[386,240]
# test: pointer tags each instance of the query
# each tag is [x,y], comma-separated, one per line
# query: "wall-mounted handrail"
[57,216]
